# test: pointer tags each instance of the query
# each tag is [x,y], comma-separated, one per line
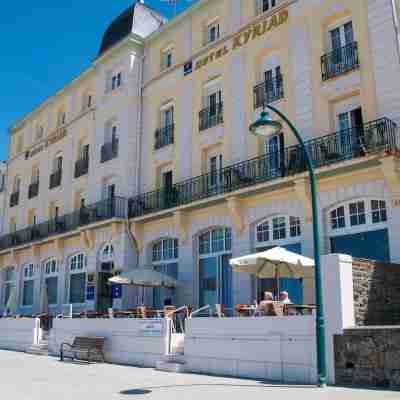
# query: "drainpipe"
[395,10]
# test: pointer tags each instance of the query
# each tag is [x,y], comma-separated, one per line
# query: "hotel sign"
[244,37]
[53,138]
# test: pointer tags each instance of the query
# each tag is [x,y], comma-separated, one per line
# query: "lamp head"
[265,125]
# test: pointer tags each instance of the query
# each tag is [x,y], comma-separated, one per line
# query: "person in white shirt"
[284,298]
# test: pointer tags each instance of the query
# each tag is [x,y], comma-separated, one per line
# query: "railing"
[340,61]
[14,199]
[33,190]
[211,116]
[344,145]
[164,136]
[81,167]
[268,92]
[116,207]
[55,179]
[109,151]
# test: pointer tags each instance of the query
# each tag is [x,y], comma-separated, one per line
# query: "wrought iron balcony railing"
[268,92]
[33,190]
[81,167]
[344,145]
[55,179]
[164,136]
[340,61]
[211,116]
[14,199]
[116,207]
[109,151]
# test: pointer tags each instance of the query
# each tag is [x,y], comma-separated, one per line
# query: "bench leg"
[61,356]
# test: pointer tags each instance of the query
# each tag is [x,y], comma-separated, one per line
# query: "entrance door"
[104,291]
[373,245]
[216,281]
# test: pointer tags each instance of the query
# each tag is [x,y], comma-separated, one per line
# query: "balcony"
[164,136]
[33,190]
[211,116]
[14,199]
[81,167]
[268,92]
[340,61]
[345,145]
[55,179]
[101,211]
[109,151]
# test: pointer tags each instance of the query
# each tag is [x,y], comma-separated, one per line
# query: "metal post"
[320,328]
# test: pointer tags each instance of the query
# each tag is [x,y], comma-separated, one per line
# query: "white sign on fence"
[152,328]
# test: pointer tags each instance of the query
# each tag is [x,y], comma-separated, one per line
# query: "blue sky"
[45,44]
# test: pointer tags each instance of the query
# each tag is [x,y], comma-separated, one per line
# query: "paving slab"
[30,377]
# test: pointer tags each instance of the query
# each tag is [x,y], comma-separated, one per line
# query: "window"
[215,165]
[28,285]
[263,232]
[167,117]
[61,118]
[20,143]
[9,283]
[116,80]
[51,280]
[16,184]
[213,32]
[77,279]
[341,36]
[57,163]
[35,174]
[39,132]
[265,5]
[379,212]
[357,213]
[277,229]
[215,241]
[360,213]
[107,253]
[166,58]
[337,218]
[166,249]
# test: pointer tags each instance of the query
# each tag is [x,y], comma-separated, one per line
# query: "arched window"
[359,228]
[278,230]
[357,214]
[165,253]
[9,283]
[51,280]
[77,279]
[215,241]
[28,286]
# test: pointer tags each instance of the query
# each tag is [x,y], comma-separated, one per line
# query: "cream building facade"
[146,158]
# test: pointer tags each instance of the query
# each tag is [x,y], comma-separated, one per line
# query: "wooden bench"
[83,344]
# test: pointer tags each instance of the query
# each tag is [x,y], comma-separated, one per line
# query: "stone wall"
[376,293]
[368,356]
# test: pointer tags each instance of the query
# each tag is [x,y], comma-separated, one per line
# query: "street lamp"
[266,126]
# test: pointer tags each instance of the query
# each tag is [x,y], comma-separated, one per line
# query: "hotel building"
[145,159]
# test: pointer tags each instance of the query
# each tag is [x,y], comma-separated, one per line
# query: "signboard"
[53,138]
[244,37]
[116,291]
[152,329]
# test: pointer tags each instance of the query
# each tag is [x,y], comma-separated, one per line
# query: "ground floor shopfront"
[358,210]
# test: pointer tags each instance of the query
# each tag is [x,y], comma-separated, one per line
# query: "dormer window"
[213,32]
[166,58]
[116,80]
[265,5]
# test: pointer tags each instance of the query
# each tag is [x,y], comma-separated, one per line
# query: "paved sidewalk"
[26,377]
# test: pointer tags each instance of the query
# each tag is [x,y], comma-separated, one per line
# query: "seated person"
[284,298]
[265,305]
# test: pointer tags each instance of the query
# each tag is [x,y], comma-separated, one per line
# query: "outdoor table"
[299,309]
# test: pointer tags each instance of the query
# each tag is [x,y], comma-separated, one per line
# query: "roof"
[125,24]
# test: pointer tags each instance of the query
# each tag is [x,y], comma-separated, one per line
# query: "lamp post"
[265,126]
